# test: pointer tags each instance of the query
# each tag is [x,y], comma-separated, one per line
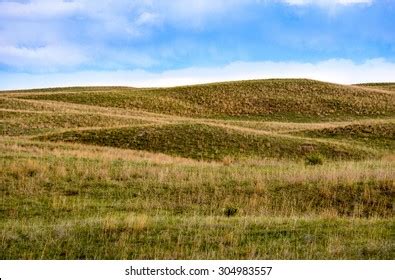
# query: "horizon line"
[186,85]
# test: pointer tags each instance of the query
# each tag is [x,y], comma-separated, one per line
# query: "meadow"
[262,169]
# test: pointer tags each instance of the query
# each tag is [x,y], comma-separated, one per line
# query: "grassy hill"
[286,100]
[250,169]
[381,86]
[209,142]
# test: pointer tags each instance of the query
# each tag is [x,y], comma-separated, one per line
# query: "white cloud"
[37,36]
[43,35]
[38,9]
[56,57]
[147,18]
[49,34]
[147,10]
[47,57]
[138,12]
[335,70]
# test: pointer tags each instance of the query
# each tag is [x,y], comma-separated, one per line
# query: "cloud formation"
[38,9]
[45,57]
[159,36]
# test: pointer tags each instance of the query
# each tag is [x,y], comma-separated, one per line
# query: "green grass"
[58,204]
[68,187]
[16,123]
[379,135]
[292,100]
[206,142]
[198,237]
[124,173]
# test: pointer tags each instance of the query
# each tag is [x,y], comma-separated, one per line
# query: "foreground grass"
[135,236]
[66,185]
[62,201]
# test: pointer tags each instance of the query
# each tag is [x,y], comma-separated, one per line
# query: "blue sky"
[171,42]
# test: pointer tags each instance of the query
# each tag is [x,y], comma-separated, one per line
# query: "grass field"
[265,169]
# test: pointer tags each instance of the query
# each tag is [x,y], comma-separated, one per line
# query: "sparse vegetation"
[382,86]
[205,172]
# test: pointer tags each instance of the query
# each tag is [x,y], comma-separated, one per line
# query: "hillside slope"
[283,100]
[209,142]
[260,118]
[380,86]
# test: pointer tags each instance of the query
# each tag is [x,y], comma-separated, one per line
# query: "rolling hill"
[285,100]
[117,172]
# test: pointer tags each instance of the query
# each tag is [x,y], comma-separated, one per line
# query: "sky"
[49,43]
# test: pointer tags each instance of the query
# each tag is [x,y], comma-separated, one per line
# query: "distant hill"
[382,86]
[278,99]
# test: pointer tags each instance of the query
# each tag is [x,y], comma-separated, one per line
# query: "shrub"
[230,211]
[314,159]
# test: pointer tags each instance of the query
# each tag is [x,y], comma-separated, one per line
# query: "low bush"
[314,159]
[230,211]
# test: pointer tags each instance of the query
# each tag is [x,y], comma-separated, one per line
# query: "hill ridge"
[274,99]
